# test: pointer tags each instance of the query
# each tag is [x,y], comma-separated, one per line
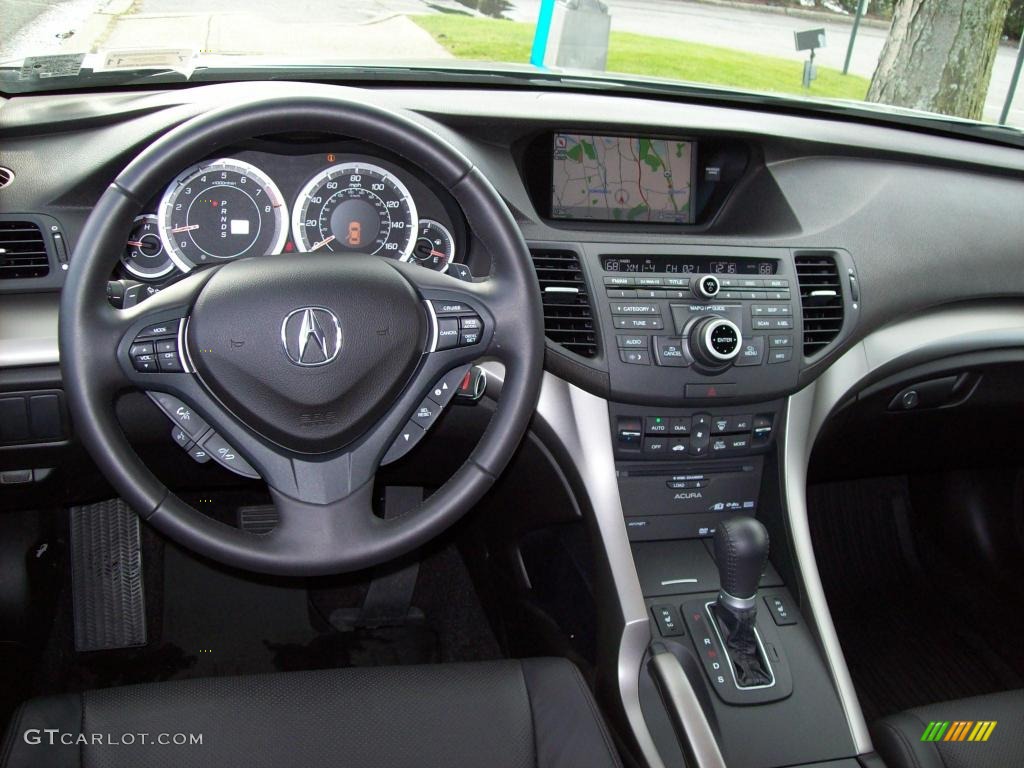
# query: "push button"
[679,426]
[655,445]
[629,432]
[405,442]
[670,351]
[426,413]
[635,356]
[181,414]
[141,348]
[656,425]
[169,362]
[631,342]
[751,352]
[227,457]
[447,333]
[780,355]
[166,328]
[779,610]
[445,389]
[144,363]
[667,619]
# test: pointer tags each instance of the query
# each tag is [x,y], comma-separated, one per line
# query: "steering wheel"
[317,433]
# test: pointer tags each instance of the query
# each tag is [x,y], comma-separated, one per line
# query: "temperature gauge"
[144,256]
[435,246]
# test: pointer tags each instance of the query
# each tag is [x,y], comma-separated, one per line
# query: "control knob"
[707,286]
[715,341]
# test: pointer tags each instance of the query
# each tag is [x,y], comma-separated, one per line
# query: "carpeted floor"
[914,629]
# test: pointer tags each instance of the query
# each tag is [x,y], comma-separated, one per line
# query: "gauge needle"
[135,243]
[188,228]
[322,243]
[436,253]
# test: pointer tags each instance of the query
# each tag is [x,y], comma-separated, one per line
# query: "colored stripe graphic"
[958,730]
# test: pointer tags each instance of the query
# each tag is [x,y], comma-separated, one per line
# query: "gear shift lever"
[741,551]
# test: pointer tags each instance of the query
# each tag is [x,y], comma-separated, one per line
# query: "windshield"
[956,58]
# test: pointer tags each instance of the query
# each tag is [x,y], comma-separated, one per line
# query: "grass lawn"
[467,37]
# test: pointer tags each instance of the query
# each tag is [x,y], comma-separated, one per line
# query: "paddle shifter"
[741,551]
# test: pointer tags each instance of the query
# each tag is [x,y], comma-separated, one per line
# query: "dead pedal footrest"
[106,575]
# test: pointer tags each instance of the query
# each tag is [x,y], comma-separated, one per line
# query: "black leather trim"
[535,713]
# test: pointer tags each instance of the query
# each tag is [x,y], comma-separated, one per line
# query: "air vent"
[568,318]
[821,297]
[6,176]
[22,251]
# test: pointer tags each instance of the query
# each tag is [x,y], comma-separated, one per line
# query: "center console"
[701,346]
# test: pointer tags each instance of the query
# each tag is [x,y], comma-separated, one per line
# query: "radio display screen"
[699,265]
[629,179]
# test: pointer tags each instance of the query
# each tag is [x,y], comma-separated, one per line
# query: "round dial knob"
[707,286]
[715,341]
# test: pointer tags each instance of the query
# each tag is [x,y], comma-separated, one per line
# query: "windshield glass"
[958,58]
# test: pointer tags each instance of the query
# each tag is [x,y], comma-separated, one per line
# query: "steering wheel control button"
[166,328]
[144,363]
[181,414]
[169,362]
[227,457]
[182,438]
[145,348]
[451,308]
[447,333]
[407,439]
[444,390]
[470,329]
[199,454]
[426,413]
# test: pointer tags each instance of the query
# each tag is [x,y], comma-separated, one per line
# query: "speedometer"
[220,210]
[355,207]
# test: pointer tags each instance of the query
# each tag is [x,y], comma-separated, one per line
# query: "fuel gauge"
[144,256]
[435,246]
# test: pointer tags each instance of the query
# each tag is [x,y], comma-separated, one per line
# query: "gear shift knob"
[741,551]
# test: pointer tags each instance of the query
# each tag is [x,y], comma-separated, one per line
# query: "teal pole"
[540,36]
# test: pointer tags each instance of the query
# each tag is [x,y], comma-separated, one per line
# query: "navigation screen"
[617,178]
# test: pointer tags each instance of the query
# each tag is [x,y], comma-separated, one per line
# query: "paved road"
[374,29]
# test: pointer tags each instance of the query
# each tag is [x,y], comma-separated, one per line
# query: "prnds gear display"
[622,178]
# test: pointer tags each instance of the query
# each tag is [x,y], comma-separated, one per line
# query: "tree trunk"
[939,56]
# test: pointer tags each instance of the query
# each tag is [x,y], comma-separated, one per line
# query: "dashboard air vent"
[568,317]
[6,176]
[22,251]
[821,298]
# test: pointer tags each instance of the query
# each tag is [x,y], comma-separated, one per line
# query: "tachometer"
[220,210]
[355,207]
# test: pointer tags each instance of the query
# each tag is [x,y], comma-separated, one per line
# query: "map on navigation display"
[618,178]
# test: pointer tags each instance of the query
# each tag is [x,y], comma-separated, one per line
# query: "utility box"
[579,35]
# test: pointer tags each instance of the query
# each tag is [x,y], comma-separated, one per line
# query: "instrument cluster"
[255,203]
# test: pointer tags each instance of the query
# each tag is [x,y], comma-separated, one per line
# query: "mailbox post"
[809,40]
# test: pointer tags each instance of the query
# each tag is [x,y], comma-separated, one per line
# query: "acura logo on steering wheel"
[311,336]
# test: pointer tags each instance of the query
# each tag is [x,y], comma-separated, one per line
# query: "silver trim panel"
[28,330]
[700,740]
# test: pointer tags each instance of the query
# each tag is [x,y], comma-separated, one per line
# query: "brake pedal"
[106,576]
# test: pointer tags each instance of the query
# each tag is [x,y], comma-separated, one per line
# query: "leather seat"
[535,713]
[898,738]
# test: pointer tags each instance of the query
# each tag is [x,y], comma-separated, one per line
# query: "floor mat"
[205,620]
[913,629]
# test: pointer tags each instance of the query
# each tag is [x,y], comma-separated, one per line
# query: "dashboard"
[289,196]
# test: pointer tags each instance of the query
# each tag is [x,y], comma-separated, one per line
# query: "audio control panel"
[698,324]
